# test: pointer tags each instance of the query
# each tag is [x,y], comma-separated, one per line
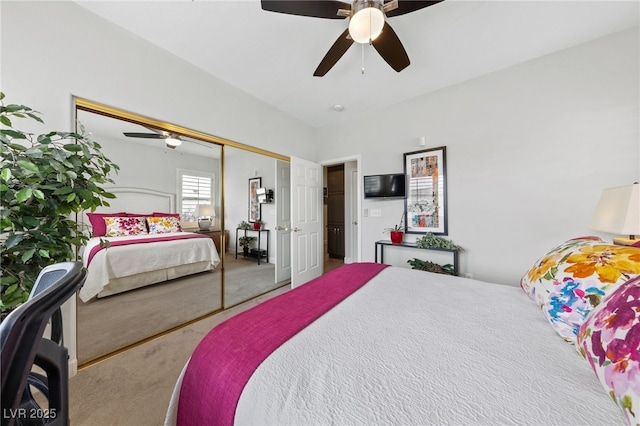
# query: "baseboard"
[73,367]
[348,260]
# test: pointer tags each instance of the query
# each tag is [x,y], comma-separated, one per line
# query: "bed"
[146,244]
[375,344]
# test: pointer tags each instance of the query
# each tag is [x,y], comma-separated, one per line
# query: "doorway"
[341,212]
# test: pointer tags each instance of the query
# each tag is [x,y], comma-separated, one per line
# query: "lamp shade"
[618,211]
[205,210]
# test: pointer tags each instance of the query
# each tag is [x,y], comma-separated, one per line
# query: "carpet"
[115,322]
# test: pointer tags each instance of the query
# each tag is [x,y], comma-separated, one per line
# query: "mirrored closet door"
[165,287]
[172,176]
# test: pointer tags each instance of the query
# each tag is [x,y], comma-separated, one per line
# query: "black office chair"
[22,346]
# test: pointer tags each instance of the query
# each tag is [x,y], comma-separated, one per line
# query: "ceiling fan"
[171,140]
[367,24]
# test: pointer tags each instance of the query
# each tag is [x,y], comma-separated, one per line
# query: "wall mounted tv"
[385,186]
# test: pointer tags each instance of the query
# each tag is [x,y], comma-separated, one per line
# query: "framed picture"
[426,202]
[255,209]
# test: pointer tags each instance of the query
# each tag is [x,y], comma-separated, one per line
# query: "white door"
[282,240]
[306,221]
[351,213]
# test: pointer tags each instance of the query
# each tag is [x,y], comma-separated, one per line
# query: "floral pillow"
[163,224]
[98,227]
[570,280]
[123,226]
[610,340]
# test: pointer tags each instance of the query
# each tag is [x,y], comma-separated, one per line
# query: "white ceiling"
[273,56]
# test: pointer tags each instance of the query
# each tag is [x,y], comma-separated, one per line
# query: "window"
[193,188]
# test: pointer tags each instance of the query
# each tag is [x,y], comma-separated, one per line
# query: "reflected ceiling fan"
[171,140]
[367,24]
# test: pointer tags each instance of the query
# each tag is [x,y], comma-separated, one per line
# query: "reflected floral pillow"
[163,224]
[123,226]
[610,340]
[570,280]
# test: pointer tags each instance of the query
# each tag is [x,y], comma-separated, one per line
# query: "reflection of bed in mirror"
[154,248]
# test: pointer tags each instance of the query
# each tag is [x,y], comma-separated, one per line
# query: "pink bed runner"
[171,237]
[225,359]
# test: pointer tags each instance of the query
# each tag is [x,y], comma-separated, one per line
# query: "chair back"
[21,332]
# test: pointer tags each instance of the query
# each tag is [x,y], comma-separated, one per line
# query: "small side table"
[259,241]
[386,243]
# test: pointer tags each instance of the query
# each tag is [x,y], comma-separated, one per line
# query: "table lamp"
[618,212]
[205,213]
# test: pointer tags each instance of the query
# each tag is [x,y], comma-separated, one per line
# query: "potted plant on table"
[244,225]
[397,232]
[258,224]
[245,242]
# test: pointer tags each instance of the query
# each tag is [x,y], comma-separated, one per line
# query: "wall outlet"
[468,275]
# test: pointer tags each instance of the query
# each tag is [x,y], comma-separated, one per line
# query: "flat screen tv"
[385,186]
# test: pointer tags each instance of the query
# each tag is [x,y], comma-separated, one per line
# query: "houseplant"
[430,240]
[397,232]
[258,224]
[45,180]
[244,242]
[244,225]
[425,265]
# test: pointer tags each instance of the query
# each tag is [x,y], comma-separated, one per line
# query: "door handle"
[279,228]
[296,229]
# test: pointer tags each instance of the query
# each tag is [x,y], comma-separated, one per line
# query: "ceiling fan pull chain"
[362,58]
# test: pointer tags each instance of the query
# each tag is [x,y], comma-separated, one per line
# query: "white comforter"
[127,260]
[418,348]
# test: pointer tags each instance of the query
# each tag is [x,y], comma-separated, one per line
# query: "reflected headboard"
[135,200]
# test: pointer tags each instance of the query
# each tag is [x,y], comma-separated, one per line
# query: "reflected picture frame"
[255,208]
[426,202]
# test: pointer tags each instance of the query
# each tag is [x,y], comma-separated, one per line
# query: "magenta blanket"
[228,355]
[96,249]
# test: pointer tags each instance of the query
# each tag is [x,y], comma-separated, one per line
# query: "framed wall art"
[255,208]
[426,202]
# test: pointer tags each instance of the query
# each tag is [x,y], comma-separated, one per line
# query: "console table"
[384,243]
[259,240]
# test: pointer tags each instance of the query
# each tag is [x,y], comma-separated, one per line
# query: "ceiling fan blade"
[408,6]
[315,8]
[145,135]
[390,48]
[334,54]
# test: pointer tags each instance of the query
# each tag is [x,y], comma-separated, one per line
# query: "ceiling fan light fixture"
[173,142]
[367,21]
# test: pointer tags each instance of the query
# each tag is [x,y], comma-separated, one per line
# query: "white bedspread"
[417,348]
[126,260]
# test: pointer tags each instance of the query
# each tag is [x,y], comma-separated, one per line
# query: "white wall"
[52,50]
[529,149]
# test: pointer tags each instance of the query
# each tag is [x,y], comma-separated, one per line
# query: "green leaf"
[5,120]
[13,240]
[44,139]
[38,194]
[72,147]
[6,174]
[44,253]
[23,195]
[13,134]
[28,254]
[11,289]
[71,197]
[62,191]
[28,165]
[8,280]
[71,174]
